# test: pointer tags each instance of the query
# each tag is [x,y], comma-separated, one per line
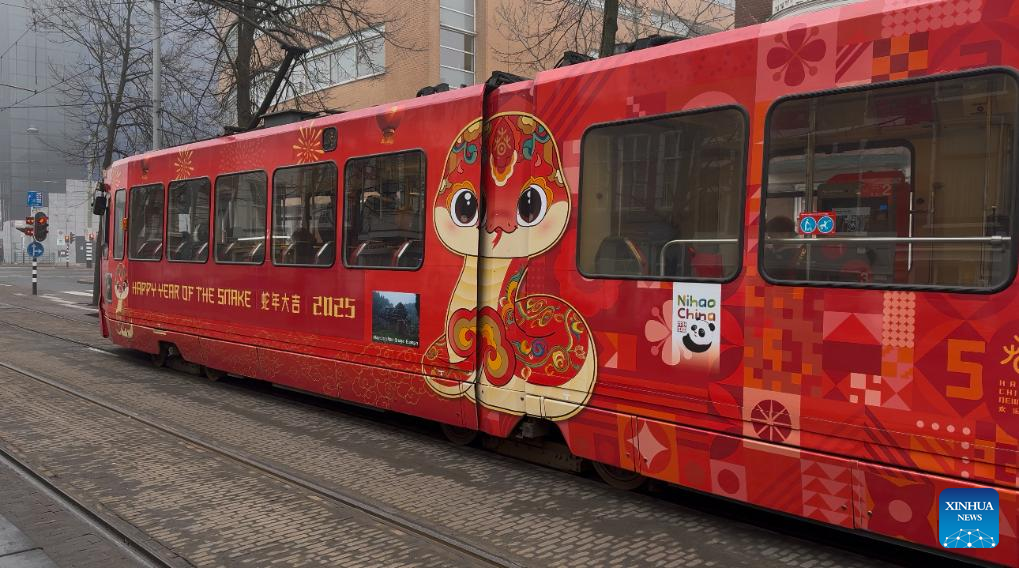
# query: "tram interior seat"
[202,250]
[620,255]
[324,231]
[257,253]
[324,255]
[410,253]
[150,249]
[227,253]
[301,249]
[183,250]
[202,236]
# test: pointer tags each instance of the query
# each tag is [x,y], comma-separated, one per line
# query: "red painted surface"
[850,407]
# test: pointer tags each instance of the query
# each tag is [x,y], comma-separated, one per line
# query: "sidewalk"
[18,551]
[36,531]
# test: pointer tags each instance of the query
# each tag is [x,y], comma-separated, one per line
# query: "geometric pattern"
[827,490]
[771,416]
[789,344]
[896,375]
[899,325]
[909,20]
[871,395]
[900,57]
[619,350]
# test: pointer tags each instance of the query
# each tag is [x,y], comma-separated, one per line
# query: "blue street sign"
[35,249]
[807,225]
[35,199]
[825,225]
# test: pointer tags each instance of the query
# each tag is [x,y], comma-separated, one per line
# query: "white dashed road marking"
[67,303]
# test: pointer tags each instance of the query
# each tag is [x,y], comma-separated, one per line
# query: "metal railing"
[993,239]
[665,248]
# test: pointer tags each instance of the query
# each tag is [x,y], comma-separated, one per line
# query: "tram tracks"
[122,535]
[684,498]
[381,513]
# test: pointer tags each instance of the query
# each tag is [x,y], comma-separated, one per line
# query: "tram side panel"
[654,150]
[275,299]
[817,374]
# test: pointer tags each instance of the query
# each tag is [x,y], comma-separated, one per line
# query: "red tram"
[615,250]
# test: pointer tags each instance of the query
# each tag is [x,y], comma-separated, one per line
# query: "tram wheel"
[159,359]
[459,436]
[213,374]
[619,478]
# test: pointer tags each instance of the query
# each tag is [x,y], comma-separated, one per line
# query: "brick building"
[461,42]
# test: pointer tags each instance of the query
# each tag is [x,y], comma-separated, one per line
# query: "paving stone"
[545,517]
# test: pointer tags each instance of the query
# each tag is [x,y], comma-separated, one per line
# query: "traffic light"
[29,231]
[42,226]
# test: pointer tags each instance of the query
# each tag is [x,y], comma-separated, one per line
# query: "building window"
[240,218]
[304,215]
[119,208]
[347,59]
[916,181]
[145,223]
[662,197]
[385,212]
[187,220]
[456,42]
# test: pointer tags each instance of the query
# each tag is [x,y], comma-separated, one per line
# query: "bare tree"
[544,29]
[106,89]
[248,35]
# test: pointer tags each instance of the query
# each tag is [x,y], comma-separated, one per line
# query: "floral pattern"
[796,55]
[183,165]
[658,330]
[309,145]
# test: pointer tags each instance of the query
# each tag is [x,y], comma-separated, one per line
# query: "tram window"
[119,203]
[919,177]
[145,223]
[662,198]
[385,212]
[304,215]
[187,220]
[240,218]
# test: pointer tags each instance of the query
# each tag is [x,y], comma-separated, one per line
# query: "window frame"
[425,206]
[213,225]
[166,224]
[119,226]
[162,232]
[272,214]
[887,85]
[741,223]
[473,34]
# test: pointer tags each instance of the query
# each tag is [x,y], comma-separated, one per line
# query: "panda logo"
[700,336]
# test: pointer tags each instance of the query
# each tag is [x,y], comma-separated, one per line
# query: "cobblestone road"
[211,511]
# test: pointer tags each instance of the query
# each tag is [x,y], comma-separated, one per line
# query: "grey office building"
[32,122]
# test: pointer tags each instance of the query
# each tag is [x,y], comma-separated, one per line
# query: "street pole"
[157,65]
[35,276]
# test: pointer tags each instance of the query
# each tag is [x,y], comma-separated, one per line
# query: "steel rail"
[382,513]
[135,547]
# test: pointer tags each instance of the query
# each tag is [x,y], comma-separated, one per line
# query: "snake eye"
[465,208]
[531,206]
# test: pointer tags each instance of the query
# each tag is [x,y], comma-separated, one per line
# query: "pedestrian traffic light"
[42,227]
